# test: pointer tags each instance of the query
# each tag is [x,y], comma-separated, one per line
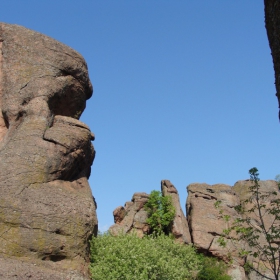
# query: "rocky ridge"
[203,224]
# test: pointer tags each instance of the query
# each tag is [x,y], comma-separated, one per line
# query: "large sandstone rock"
[47,212]
[205,222]
[180,228]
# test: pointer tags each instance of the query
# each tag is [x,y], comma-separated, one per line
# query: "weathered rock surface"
[132,217]
[24,270]
[180,228]
[47,212]
[207,225]
[204,218]
[272,24]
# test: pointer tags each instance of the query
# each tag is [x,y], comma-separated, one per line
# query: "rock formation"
[204,219]
[132,217]
[204,223]
[47,212]
[180,228]
[241,188]
[272,24]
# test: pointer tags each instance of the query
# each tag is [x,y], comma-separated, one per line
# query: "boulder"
[47,212]
[132,217]
[180,228]
[119,214]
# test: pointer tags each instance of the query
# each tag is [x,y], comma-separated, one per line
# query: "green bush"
[127,257]
[161,212]
[213,270]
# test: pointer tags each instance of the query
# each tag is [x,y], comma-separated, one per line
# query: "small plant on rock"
[161,212]
[213,269]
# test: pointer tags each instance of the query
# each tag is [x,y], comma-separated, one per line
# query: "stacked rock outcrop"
[206,206]
[132,217]
[47,212]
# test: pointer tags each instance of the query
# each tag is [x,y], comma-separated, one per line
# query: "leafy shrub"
[213,270]
[161,212]
[127,257]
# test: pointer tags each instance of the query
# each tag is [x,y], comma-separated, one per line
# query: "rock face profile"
[47,212]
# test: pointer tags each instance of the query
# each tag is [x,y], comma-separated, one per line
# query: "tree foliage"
[127,257]
[258,226]
[161,212]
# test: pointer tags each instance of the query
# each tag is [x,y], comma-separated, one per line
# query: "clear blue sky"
[184,90]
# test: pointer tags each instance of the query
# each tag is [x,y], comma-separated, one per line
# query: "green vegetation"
[161,212]
[156,256]
[127,257]
[213,270]
[258,228]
